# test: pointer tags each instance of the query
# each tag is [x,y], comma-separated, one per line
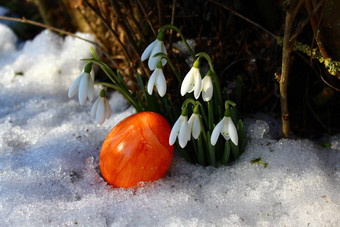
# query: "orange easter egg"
[137,149]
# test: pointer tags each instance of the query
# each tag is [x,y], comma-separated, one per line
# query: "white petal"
[161,83]
[216,132]
[152,81]
[153,61]
[163,50]
[83,88]
[92,76]
[198,84]
[232,131]
[183,134]
[100,114]
[74,87]
[107,109]
[174,131]
[191,121]
[224,129]
[187,83]
[207,88]
[147,51]
[196,129]
[94,108]
[90,91]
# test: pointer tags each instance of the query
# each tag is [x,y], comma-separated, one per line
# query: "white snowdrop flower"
[195,125]
[101,109]
[207,88]
[192,81]
[228,130]
[155,47]
[157,79]
[180,130]
[83,84]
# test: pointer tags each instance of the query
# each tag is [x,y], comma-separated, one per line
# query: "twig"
[116,7]
[114,33]
[38,24]
[35,23]
[172,22]
[134,20]
[243,17]
[146,17]
[306,21]
[286,50]
[314,24]
[160,13]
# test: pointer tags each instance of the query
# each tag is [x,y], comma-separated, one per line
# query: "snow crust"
[49,148]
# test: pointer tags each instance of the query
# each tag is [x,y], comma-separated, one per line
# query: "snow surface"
[49,148]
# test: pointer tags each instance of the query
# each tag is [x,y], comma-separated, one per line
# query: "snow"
[49,149]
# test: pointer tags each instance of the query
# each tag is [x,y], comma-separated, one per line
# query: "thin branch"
[286,51]
[172,22]
[61,31]
[315,29]
[160,13]
[114,33]
[243,17]
[116,7]
[305,22]
[38,24]
[146,17]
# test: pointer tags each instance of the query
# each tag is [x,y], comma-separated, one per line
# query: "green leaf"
[152,104]
[200,157]
[211,149]
[226,153]
[234,151]
[238,90]
[184,153]
[240,132]
[122,81]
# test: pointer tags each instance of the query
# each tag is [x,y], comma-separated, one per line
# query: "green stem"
[200,153]
[204,137]
[126,94]
[162,55]
[213,75]
[211,150]
[210,116]
[217,88]
[107,70]
[172,27]
[207,57]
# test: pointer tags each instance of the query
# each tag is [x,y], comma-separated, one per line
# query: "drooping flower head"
[83,84]
[101,109]
[181,130]
[192,81]
[207,87]
[195,123]
[155,47]
[226,128]
[157,79]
